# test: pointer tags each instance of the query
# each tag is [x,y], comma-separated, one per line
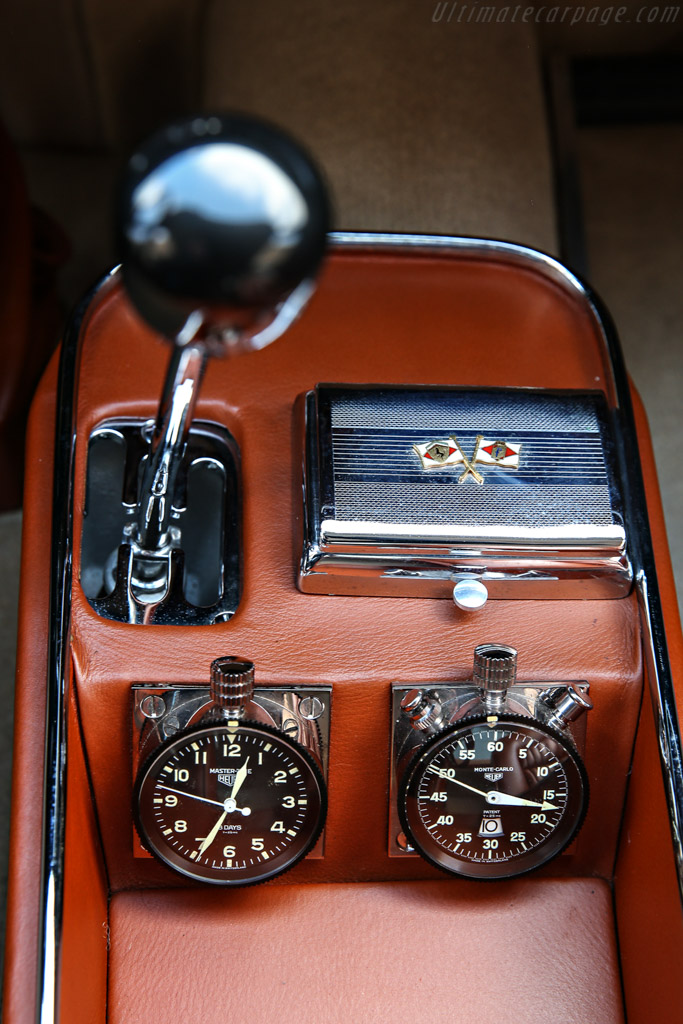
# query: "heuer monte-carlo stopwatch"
[496,793]
[230,802]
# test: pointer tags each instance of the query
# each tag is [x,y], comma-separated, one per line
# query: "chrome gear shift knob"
[221,219]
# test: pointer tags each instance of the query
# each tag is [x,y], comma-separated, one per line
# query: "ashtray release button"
[470,595]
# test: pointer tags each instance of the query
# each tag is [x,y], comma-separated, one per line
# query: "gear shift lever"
[222,224]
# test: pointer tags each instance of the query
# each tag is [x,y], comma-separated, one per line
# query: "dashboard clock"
[488,782]
[230,802]
[493,796]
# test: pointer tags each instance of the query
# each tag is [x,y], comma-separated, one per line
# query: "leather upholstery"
[429,953]
[646,892]
[86,920]
[501,325]
[21,942]
[645,885]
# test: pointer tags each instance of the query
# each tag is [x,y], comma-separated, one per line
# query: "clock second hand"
[192,796]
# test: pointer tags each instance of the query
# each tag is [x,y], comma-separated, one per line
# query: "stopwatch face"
[493,797]
[230,804]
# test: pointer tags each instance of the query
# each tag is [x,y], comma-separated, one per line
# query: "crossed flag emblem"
[438,454]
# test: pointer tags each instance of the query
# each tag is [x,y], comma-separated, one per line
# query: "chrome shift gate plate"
[409,489]
[202,567]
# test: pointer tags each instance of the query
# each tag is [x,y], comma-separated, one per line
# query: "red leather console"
[354,933]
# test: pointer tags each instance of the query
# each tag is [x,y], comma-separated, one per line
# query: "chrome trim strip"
[473,246]
[656,652]
[570,537]
[484,247]
[57,691]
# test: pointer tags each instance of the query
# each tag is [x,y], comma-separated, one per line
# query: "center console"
[366,615]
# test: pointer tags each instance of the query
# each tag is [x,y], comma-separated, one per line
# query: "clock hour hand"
[507,799]
[213,833]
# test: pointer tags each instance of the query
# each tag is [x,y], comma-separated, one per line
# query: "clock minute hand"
[239,779]
[192,796]
[465,785]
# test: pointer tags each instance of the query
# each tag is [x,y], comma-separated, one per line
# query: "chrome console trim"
[54,807]
[58,675]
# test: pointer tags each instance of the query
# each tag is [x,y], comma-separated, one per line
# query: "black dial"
[231,804]
[493,797]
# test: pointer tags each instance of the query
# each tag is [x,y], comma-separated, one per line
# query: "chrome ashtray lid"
[408,489]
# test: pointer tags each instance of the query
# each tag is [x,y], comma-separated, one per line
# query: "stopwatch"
[230,802]
[494,793]
[493,796]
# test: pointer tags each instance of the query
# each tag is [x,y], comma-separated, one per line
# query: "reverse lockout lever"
[221,227]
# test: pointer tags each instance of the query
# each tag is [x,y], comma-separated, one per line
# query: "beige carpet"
[631,180]
[421,126]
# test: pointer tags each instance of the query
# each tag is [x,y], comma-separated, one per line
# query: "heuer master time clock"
[230,802]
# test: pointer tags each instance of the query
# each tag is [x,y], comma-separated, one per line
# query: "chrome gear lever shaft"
[176,408]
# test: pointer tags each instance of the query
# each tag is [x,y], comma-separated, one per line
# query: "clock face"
[230,804]
[493,797]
